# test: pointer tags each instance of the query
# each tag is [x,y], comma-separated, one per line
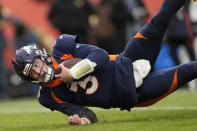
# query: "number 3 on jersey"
[83,84]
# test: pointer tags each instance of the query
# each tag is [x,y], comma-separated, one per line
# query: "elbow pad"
[82,68]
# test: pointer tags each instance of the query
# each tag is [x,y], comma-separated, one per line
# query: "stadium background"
[35,13]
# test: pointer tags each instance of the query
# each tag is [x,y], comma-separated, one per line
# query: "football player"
[120,81]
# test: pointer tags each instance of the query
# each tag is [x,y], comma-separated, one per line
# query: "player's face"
[39,70]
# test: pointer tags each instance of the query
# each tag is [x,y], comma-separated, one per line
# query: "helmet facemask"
[48,75]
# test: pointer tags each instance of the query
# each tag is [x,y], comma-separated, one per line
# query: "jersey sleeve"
[93,53]
[69,45]
[67,108]
[72,109]
[64,45]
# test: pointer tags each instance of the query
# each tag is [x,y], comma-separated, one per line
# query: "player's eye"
[36,64]
[31,73]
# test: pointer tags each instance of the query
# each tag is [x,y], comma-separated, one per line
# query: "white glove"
[141,68]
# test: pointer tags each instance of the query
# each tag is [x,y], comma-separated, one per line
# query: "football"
[68,64]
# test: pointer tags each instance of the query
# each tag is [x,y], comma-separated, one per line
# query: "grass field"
[177,112]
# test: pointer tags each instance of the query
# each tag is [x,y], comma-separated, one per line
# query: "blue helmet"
[24,59]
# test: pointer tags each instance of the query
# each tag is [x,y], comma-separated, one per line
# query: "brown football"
[68,64]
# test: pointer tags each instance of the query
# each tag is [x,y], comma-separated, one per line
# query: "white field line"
[27,110]
[44,110]
[166,108]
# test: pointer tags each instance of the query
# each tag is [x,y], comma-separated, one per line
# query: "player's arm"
[77,114]
[93,57]
[69,45]
[94,54]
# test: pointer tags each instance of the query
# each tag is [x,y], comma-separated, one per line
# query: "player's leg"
[146,44]
[159,84]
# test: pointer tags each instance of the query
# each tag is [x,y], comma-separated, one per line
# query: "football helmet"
[23,61]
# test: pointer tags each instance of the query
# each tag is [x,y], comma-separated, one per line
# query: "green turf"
[177,112]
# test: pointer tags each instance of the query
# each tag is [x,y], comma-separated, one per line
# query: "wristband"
[82,68]
[86,119]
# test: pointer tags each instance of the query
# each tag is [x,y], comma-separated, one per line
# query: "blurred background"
[108,24]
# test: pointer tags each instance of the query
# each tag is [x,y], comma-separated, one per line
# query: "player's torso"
[111,84]
[94,90]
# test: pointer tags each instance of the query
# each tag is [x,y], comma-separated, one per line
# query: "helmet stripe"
[13,59]
[55,64]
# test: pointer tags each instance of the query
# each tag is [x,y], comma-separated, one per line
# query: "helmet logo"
[27,49]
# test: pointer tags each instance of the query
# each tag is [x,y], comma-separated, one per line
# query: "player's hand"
[76,120]
[65,75]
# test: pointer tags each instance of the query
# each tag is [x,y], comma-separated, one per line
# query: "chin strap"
[82,68]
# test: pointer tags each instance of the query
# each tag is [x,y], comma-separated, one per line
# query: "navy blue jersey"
[112,82]
[110,85]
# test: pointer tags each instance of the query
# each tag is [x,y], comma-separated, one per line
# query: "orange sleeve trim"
[66,56]
[15,61]
[172,89]
[113,57]
[56,99]
[55,64]
[139,35]
[53,83]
